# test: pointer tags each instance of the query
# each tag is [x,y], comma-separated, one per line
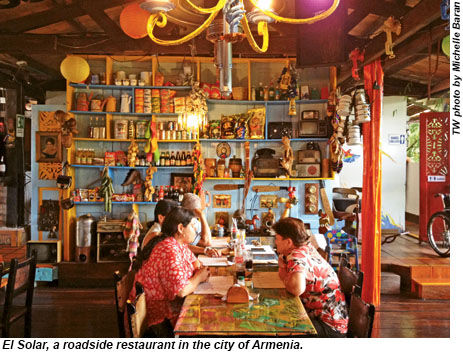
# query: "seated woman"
[170,273]
[306,274]
[202,242]
[163,207]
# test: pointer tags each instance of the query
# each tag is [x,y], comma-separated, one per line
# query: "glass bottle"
[188,159]
[183,160]
[172,159]
[260,92]
[103,128]
[180,195]
[177,159]
[253,93]
[161,193]
[271,92]
[167,159]
[266,93]
[96,129]
[90,128]
[2,167]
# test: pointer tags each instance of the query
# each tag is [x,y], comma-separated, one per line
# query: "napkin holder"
[237,295]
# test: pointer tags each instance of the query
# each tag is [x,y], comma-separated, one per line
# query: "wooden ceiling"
[43,32]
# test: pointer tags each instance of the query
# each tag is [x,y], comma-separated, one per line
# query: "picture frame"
[182,180]
[48,147]
[222,218]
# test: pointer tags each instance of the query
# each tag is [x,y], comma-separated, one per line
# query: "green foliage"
[413,148]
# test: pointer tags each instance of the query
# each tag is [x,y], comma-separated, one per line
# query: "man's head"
[191,201]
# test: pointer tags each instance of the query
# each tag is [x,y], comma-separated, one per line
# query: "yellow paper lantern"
[75,69]
[446,45]
[133,21]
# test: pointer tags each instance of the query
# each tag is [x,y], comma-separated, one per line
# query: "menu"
[215,285]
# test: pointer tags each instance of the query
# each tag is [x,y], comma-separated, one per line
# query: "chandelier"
[232,27]
[234,13]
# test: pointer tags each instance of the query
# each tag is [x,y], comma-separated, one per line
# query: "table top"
[276,313]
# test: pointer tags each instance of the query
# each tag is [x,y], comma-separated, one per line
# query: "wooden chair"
[137,313]
[122,287]
[341,244]
[348,279]
[361,316]
[21,277]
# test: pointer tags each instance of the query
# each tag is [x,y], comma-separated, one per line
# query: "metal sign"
[20,122]
[396,139]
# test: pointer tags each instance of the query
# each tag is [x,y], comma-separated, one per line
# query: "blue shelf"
[175,88]
[119,113]
[306,139]
[114,203]
[119,167]
[236,102]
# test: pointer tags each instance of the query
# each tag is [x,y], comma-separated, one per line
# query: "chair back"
[348,279]
[122,287]
[137,313]
[21,278]
[361,317]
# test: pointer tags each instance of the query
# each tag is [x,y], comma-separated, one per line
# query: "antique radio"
[310,115]
[111,245]
[48,251]
[308,170]
[278,130]
[313,128]
[264,165]
[308,156]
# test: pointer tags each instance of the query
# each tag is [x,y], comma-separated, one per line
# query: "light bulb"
[265,4]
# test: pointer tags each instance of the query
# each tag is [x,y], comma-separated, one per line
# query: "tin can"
[141,129]
[121,129]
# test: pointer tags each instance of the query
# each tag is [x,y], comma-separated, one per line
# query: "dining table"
[273,312]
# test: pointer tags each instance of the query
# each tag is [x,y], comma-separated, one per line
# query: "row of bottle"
[97,129]
[170,192]
[266,93]
[85,155]
[171,130]
[182,158]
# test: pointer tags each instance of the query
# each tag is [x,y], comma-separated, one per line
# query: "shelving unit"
[247,73]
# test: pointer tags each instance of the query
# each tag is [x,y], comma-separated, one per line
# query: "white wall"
[394,170]
[413,188]
[55,98]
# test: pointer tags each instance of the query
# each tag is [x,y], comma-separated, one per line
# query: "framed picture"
[48,147]
[222,219]
[182,180]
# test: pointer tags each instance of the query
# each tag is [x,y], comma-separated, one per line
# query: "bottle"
[277,94]
[266,93]
[161,193]
[90,128]
[2,167]
[253,93]
[96,129]
[103,129]
[183,160]
[260,92]
[78,156]
[188,159]
[131,131]
[175,195]
[156,194]
[271,92]
[172,159]
[177,159]
[180,195]
[162,160]
[239,257]
[240,281]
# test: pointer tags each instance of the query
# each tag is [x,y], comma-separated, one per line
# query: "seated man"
[202,242]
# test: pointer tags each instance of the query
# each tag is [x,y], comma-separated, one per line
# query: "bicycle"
[439,228]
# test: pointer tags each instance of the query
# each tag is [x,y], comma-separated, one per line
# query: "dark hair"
[178,215]
[51,140]
[163,207]
[292,228]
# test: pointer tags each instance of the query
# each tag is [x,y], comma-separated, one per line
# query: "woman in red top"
[170,273]
[306,274]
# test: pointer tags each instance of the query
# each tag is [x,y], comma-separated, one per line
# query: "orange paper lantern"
[133,21]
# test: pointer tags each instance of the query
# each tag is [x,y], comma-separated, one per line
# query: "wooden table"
[276,313]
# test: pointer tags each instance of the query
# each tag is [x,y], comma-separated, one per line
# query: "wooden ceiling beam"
[396,87]
[51,16]
[34,64]
[379,7]
[419,17]
[31,44]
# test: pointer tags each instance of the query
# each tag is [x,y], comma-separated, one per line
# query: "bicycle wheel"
[439,233]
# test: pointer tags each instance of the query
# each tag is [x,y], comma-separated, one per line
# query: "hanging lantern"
[133,21]
[446,45]
[75,69]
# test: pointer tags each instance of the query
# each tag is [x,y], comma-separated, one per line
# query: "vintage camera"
[276,130]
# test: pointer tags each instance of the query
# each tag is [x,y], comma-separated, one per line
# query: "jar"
[121,129]
[141,129]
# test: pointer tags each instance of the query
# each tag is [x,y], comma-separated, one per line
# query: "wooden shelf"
[237,102]
[126,88]
[125,167]
[302,139]
[114,203]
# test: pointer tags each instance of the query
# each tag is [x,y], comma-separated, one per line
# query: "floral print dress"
[163,275]
[322,297]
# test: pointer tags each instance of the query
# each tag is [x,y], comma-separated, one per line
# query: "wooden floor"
[66,312]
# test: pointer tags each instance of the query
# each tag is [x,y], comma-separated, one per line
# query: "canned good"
[141,128]
[121,129]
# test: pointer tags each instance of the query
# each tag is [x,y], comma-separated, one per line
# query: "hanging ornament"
[75,69]
[133,20]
